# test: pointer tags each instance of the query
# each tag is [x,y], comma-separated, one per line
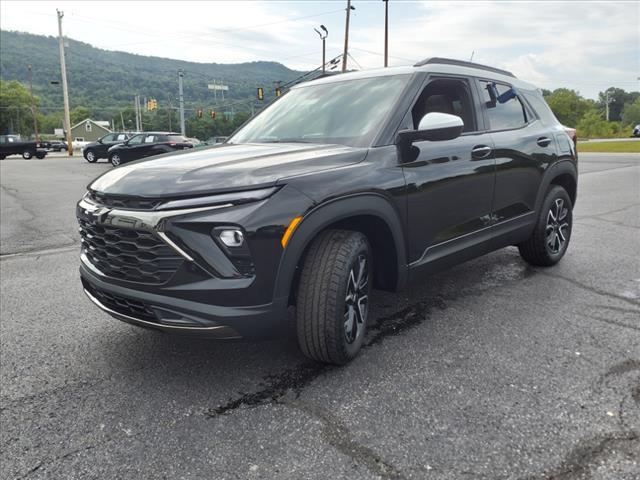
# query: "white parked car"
[79,143]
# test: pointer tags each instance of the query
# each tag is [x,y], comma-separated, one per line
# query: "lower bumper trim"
[218,331]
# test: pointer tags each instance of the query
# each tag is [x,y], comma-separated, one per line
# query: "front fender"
[330,212]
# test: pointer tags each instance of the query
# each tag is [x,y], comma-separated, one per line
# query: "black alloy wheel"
[550,238]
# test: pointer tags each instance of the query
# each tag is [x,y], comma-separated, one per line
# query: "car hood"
[223,168]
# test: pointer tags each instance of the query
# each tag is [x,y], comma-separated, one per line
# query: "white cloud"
[587,46]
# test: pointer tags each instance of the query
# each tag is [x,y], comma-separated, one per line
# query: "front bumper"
[164,269]
[175,315]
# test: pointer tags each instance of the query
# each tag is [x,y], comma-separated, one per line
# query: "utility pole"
[137,112]
[607,102]
[33,106]
[386,33]
[181,98]
[323,36]
[346,37]
[65,88]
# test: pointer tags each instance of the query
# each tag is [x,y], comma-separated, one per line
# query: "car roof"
[159,133]
[431,65]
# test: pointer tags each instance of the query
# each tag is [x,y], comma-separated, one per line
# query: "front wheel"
[333,296]
[40,156]
[90,156]
[27,154]
[115,159]
[550,238]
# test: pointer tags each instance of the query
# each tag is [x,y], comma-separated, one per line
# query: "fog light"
[232,238]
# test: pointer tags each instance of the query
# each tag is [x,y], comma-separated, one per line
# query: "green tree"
[78,114]
[592,125]
[631,113]
[15,108]
[568,106]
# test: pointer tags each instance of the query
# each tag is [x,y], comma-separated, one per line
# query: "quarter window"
[504,108]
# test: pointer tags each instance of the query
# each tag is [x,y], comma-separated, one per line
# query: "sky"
[586,46]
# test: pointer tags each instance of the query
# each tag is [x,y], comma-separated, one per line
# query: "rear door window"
[150,138]
[504,108]
[136,140]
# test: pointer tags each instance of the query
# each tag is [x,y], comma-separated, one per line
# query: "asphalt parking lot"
[492,370]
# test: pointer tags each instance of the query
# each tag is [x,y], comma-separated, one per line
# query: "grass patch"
[610,147]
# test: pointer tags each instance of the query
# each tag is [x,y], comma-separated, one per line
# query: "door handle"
[481,151]
[544,141]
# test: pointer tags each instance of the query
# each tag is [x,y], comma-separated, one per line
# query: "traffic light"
[199,113]
[278,91]
[212,114]
[260,93]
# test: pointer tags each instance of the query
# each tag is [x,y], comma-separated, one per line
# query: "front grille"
[132,203]
[123,305]
[128,254]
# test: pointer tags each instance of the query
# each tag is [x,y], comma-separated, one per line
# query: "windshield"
[348,112]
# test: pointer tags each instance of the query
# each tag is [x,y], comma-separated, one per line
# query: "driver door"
[450,182]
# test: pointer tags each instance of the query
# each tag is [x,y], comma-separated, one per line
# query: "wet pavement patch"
[294,380]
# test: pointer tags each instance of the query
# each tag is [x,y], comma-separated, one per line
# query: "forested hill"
[102,79]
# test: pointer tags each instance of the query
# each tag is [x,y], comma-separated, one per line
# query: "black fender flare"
[330,212]
[559,168]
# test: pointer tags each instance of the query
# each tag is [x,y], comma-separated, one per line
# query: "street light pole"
[33,106]
[65,89]
[386,33]
[323,36]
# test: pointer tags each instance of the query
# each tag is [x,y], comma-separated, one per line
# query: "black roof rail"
[462,63]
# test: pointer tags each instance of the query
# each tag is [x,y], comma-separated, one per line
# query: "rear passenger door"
[150,143]
[523,149]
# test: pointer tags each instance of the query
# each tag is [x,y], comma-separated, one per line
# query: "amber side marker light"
[289,231]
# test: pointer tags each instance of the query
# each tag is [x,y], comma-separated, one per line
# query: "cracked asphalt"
[491,370]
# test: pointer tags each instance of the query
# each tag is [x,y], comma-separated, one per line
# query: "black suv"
[147,144]
[94,151]
[353,181]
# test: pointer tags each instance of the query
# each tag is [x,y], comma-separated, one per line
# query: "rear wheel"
[550,238]
[27,154]
[41,155]
[115,159]
[333,296]
[90,156]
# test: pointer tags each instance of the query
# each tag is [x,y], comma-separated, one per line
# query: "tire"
[40,156]
[115,159]
[27,154]
[333,296]
[90,156]
[550,238]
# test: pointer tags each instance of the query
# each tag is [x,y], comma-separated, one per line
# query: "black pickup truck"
[13,145]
